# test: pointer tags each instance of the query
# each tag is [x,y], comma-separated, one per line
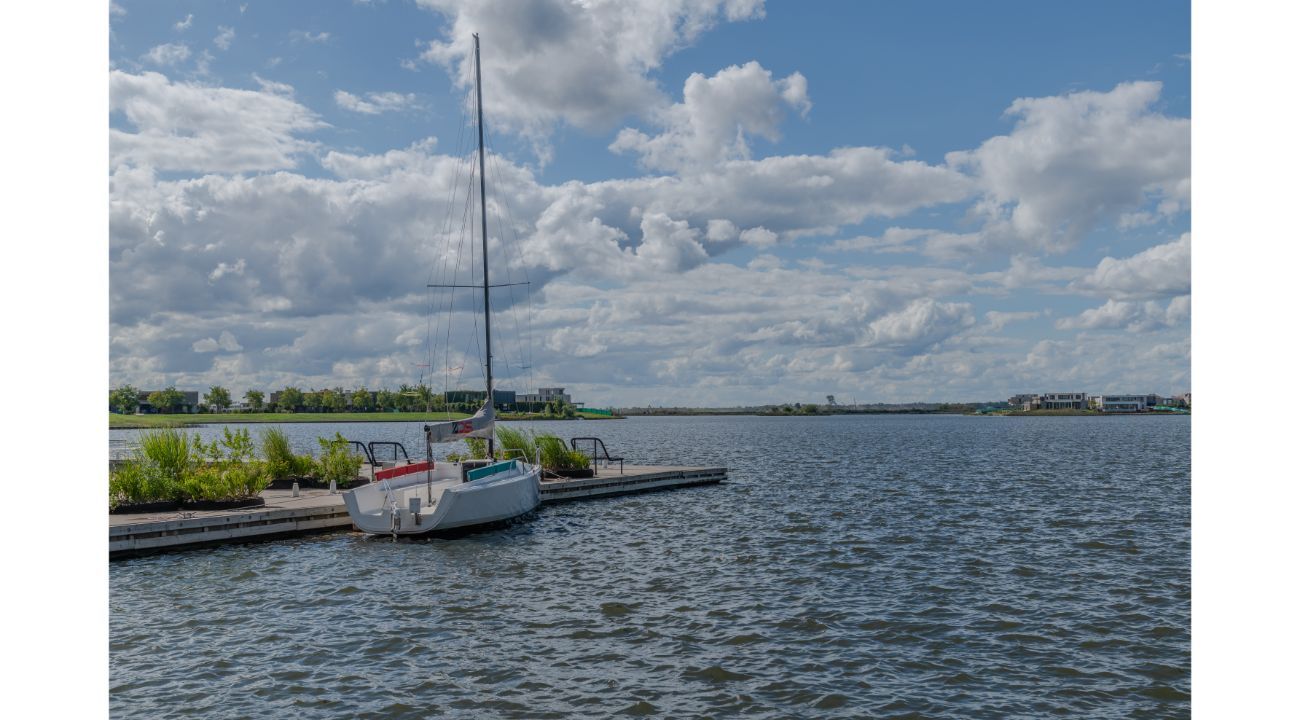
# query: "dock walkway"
[319,511]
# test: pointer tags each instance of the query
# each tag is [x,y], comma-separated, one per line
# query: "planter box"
[169,506]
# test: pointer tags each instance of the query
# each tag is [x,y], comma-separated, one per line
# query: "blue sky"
[716,202]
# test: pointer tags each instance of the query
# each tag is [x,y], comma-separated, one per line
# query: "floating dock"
[320,511]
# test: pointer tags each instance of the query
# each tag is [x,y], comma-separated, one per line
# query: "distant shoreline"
[138,422]
[144,422]
[1074,413]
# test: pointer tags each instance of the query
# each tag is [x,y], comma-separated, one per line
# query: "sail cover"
[478,426]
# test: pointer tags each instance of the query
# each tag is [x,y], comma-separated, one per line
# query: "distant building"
[189,402]
[545,395]
[1049,401]
[1021,402]
[1125,403]
[1062,401]
[500,398]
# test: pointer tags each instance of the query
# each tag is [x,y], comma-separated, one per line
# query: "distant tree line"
[407,398]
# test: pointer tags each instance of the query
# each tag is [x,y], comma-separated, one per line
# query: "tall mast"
[482,196]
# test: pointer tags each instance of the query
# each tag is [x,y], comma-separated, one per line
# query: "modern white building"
[545,395]
[1050,401]
[1124,403]
[1023,401]
[1062,401]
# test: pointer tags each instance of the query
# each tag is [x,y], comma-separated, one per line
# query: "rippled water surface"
[868,566]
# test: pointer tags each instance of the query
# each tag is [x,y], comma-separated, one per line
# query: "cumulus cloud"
[184,24]
[186,127]
[584,64]
[226,342]
[374,102]
[1077,160]
[167,54]
[225,36]
[1160,271]
[717,118]
[922,323]
[1132,316]
[321,276]
[758,237]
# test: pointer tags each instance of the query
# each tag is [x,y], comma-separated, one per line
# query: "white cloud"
[669,245]
[998,319]
[223,268]
[321,277]
[584,64]
[721,231]
[271,86]
[168,54]
[892,240]
[716,118]
[1161,271]
[225,36]
[204,129]
[185,24]
[116,10]
[758,237]
[226,342]
[306,36]
[375,102]
[1077,160]
[1132,316]
[922,323]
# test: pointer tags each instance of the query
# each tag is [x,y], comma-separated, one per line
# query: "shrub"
[556,455]
[281,462]
[169,452]
[129,483]
[551,451]
[516,444]
[337,462]
[170,465]
[477,448]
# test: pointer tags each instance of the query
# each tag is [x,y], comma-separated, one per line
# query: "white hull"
[445,503]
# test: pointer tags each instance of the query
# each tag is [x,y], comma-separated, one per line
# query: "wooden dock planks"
[319,511]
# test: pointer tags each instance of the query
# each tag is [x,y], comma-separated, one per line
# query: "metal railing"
[365,451]
[387,443]
[595,457]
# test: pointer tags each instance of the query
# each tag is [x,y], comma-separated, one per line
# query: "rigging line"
[495,166]
[514,305]
[464,223]
[523,266]
[480,287]
[446,261]
[447,233]
[445,228]
[472,265]
[464,227]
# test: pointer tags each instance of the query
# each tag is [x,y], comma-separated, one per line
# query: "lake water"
[853,566]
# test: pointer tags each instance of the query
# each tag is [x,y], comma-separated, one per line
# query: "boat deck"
[320,511]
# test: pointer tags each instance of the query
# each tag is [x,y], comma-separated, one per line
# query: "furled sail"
[478,426]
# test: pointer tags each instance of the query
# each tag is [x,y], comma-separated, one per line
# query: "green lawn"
[154,421]
[158,421]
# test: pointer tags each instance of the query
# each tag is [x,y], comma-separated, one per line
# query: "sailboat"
[428,497]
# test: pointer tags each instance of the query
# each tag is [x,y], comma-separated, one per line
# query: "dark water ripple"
[915,566]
